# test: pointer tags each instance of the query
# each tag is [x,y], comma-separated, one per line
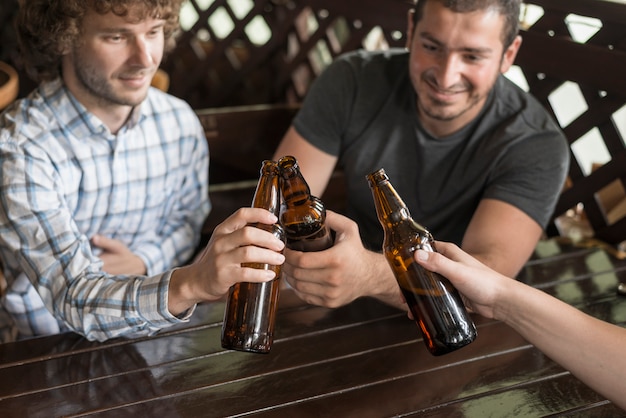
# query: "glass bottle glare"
[435,304]
[302,215]
[250,310]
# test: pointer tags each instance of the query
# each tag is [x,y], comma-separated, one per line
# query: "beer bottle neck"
[390,207]
[267,194]
[294,187]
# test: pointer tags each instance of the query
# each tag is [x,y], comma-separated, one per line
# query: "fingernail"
[422,255]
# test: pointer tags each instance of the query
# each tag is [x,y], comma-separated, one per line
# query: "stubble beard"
[438,110]
[101,89]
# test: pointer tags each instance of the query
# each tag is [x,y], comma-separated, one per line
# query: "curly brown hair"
[47,28]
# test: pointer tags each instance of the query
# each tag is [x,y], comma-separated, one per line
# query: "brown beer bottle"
[302,215]
[250,310]
[435,304]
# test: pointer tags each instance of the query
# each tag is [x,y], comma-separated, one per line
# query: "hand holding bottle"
[342,273]
[435,304]
[479,285]
[250,311]
[591,349]
[219,266]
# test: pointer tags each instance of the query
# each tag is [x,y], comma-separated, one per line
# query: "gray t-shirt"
[362,109]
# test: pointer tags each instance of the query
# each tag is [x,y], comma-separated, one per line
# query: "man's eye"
[429,47]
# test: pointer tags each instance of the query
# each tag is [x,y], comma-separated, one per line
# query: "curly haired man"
[103,181]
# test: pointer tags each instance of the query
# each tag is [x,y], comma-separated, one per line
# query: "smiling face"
[110,70]
[455,59]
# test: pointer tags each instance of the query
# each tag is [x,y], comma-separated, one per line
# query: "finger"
[106,244]
[258,237]
[333,217]
[309,260]
[258,255]
[453,252]
[245,236]
[303,286]
[340,223]
[439,263]
[243,217]
[310,298]
[255,275]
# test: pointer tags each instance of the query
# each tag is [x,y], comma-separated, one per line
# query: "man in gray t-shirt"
[478,161]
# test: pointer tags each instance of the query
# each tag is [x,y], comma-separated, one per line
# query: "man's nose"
[449,71]
[141,53]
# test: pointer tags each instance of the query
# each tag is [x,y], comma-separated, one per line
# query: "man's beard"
[436,109]
[99,87]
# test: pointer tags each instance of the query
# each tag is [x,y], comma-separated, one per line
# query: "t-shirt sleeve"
[531,174]
[326,108]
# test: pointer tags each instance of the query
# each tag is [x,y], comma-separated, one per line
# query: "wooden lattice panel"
[210,69]
[593,70]
[219,61]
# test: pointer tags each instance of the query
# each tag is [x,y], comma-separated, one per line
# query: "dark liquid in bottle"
[250,316]
[444,327]
[308,237]
[253,324]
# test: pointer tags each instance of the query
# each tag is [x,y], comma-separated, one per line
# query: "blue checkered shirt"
[64,178]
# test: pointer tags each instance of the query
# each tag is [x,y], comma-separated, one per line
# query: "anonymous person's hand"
[342,273]
[479,285]
[219,266]
[117,258]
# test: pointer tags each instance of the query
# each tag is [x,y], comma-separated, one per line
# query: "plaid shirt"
[64,177]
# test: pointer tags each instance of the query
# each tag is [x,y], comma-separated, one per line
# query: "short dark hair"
[47,28]
[510,9]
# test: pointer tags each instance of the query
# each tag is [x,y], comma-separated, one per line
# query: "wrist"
[181,296]
[140,266]
[384,284]
[508,296]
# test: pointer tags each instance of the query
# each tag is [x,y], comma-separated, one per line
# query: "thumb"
[437,262]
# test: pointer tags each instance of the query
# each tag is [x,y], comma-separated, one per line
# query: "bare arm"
[501,236]
[589,348]
[316,165]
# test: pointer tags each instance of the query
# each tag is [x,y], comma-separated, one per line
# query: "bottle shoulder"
[409,233]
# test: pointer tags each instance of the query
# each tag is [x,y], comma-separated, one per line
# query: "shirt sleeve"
[531,174]
[38,228]
[326,108]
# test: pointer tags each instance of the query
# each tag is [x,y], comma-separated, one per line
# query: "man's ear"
[409,28]
[509,55]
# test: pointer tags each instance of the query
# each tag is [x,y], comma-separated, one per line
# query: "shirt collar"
[76,118]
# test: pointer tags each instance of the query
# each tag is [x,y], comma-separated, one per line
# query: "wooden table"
[363,360]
